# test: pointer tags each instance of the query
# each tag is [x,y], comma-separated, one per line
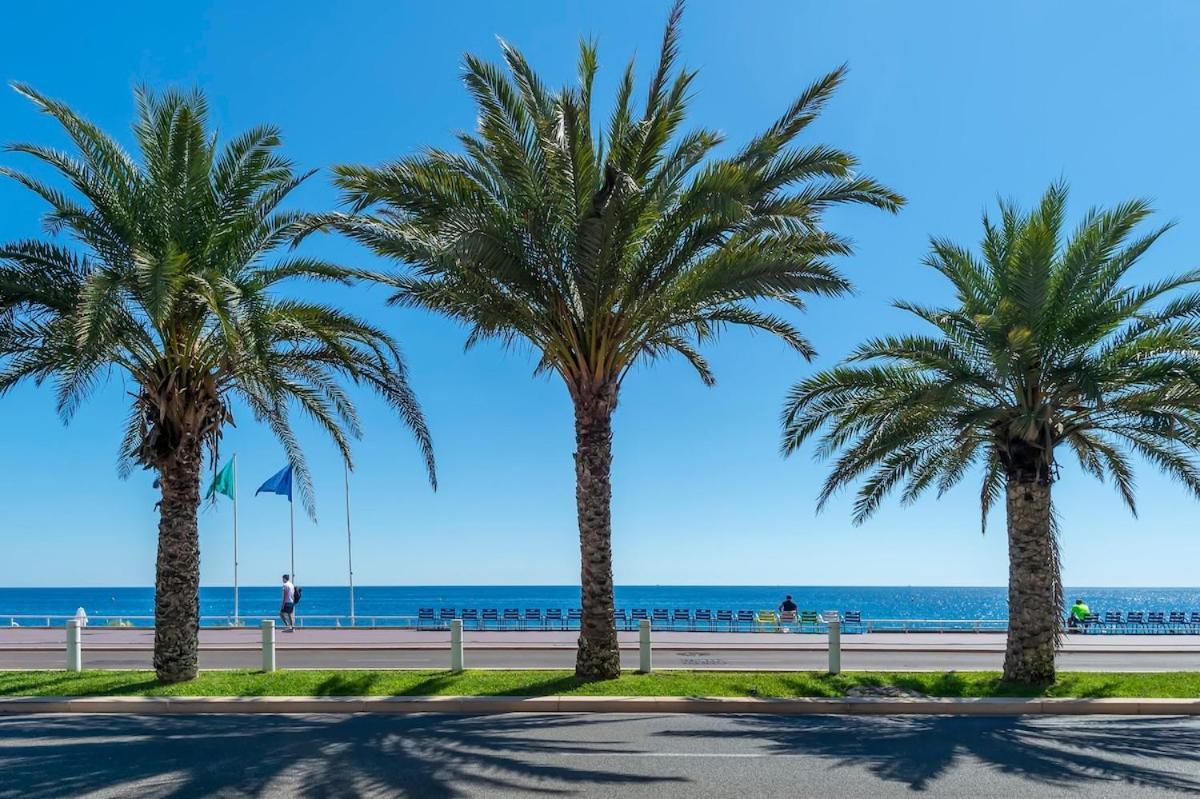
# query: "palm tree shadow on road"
[918,750]
[309,756]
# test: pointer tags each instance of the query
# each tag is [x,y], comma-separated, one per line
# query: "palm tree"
[172,285]
[1045,347]
[605,248]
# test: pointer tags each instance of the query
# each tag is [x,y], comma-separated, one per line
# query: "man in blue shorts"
[287,610]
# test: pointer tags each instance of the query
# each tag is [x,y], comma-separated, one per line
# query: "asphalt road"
[659,756]
[902,660]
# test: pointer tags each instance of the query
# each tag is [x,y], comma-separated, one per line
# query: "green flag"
[222,483]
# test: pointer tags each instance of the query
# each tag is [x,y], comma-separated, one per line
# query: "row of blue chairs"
[1142,621]
[660,618]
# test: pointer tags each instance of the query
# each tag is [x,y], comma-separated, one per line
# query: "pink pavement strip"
[249,638]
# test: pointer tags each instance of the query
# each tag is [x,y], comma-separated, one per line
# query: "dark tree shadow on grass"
[305,756]
[1058,751]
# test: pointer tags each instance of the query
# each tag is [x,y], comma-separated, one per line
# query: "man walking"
[287,610]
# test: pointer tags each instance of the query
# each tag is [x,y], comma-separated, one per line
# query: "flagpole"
[236,615]
[349,548]
[292,516]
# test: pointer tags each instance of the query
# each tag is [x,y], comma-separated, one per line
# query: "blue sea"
[875,602]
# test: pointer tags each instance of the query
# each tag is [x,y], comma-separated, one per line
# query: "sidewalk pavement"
[249,638]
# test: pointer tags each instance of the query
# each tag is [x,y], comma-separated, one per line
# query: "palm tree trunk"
[598,657]
[177,583]
[1034,591]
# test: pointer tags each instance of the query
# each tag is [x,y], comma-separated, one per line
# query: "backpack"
[296,595]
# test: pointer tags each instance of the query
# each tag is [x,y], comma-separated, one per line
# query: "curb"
[482,705]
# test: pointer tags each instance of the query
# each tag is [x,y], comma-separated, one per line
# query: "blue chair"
[704,617]
[470,616]
[425,617]
[554,618]
[681,615]
[512,615]
[1157,619]
[620,620]
[575,617]
[445,617]
[1136,618]
[1112,618]
[638,615]
[725,617]
[745,619]
[660,618]
[852,618]
[489,615]
[533,618]
[1194,620]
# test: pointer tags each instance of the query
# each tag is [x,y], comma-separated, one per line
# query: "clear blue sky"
[951,103]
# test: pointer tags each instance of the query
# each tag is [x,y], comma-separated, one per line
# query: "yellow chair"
[766,618]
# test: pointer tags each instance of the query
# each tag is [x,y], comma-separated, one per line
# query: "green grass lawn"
[540,683]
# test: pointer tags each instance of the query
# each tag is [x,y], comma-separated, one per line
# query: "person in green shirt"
[1079,612]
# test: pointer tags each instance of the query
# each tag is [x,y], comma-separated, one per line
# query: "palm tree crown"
[1046,346]
[605,247]
[172,284]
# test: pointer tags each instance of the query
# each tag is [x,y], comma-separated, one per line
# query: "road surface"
[29,648]
[659,756]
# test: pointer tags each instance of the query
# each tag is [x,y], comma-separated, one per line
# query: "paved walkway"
[642,755]
[383,648]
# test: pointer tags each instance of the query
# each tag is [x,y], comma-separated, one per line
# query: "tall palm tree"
[607,247]
[1046,347]
[169,281]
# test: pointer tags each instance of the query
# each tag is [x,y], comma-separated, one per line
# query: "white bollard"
[456,646]
[644,664]
[268,645]
[835,647]
[74,646]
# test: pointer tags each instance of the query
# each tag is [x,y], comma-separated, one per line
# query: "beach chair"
[445,617]
[788,618]
[766,619]
[575,617]
[745,619]
[852,617]
[1157,619]
[554,619]
[425,617]
[1090,621]
[470,616]
[512,618]
[809,618]
[725,617]
[1178,621]
[1194,621]
[1112,618]
[704,617]
[637,615]
[660,618]
[681,615]
[533,619]
[620,619]
[1136,618]
[489,615]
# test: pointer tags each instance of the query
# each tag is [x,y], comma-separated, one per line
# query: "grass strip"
[1174,685]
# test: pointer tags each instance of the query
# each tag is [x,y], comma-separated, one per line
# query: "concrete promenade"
[391,648]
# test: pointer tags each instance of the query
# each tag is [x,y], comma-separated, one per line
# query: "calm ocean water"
[875,602]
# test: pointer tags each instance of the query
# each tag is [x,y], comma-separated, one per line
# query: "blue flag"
[278,483]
